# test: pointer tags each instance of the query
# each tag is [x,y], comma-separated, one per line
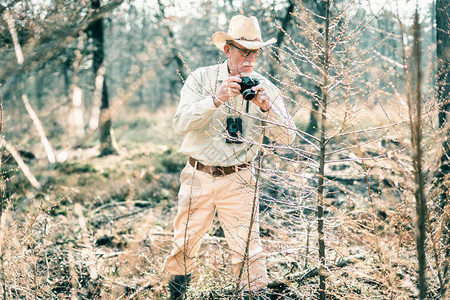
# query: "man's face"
[237,62]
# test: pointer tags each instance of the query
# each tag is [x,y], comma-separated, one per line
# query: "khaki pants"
[232,195]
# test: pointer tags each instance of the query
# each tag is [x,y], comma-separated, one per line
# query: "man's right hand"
[228,89]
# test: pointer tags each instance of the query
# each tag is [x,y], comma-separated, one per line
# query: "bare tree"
[443,85]
[415,115]
[442,15]
[73,90]
[322,153]
[2,189]
[107,142]
[285,23]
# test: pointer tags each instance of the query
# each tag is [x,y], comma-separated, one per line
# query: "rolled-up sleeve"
[195,108]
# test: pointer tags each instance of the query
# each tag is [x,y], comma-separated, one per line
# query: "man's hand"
[262,98]
[230,88]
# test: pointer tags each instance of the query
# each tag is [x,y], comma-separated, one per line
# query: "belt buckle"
[217,172]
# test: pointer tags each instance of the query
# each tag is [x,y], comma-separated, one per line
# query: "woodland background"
[356,208]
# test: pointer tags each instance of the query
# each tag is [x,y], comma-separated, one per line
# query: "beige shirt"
[205,124]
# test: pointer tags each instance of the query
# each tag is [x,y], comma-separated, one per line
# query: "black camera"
[234,129]
[246,87]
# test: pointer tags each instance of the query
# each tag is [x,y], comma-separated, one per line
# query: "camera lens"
[249,94]
[233,128]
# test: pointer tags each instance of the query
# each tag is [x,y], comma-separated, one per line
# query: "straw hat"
[244,31]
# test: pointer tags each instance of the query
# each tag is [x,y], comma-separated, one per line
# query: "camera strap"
[235,106]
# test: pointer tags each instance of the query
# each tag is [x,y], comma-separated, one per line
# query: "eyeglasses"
[246,52]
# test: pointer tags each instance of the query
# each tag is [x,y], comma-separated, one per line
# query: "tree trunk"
[443,86]
[416,141]
[320,188]
[75,122]
[2,190]
[171,42]
[280,37]
[75,118]
[107,143]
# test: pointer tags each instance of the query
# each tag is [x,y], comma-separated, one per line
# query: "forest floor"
[100,228]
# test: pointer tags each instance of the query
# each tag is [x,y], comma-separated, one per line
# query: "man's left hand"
[262,98]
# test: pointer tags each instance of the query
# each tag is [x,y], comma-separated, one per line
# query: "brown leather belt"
[216,170]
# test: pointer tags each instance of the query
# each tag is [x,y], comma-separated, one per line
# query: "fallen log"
[300,276]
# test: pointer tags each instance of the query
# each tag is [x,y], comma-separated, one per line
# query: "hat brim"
[220,39]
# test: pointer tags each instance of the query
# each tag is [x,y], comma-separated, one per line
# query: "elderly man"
[224,128]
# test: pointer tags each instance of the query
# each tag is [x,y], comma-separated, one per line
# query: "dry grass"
[102,226]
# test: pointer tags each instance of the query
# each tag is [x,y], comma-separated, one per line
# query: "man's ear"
[227,50]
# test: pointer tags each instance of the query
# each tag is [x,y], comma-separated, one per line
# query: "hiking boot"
[178,285]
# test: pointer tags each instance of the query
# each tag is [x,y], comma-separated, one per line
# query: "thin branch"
[37,123]
[15,38]
[58,41]
[22,165]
